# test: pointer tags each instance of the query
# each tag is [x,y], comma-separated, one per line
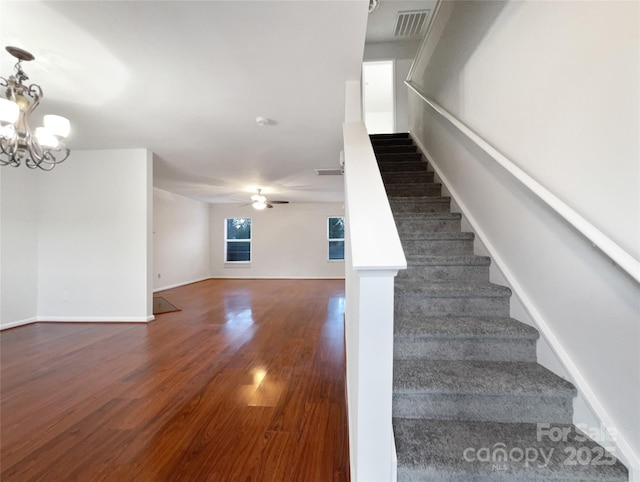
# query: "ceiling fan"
[259,202]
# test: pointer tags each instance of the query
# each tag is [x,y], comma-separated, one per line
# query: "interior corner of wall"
[353,101]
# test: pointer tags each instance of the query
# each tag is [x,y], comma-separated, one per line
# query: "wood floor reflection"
[246,383]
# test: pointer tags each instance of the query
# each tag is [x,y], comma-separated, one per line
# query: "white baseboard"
[157,290]
[13,324]
[177,285]
[278,277]
[625,451]
[95,319]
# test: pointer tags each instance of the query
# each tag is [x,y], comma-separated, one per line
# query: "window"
[336,238]
[238,240]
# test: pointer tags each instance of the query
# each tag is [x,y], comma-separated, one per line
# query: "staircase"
[470,403]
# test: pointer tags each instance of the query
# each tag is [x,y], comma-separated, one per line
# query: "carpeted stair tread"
[430,243]
[403,166]
[394,135]
[419,216]
[434,450]
[451,289]
[471,260]
[392,157]
[446,236]
[411,199]
[385,149]
[425,204]
[463,327]
[401,177]
[393,141]
[478,377]
[413,189]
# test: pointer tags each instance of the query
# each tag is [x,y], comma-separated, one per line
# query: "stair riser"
[402,166]
[436,247]
[417,305]
[407,177]
[483,408]
[436,273]
[394,149]
[415,226]
[400,156]
[391,142]
[517,350]
[417,189]
[425,206]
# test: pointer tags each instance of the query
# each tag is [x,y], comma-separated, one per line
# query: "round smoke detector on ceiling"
[262,121]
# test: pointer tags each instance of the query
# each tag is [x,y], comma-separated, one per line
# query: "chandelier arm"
[36,154]
[8,149]
[47,160]
[35,92]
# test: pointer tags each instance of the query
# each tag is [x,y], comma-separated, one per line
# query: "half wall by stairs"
[470,403]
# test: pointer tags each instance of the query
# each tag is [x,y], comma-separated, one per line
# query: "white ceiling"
[187,79]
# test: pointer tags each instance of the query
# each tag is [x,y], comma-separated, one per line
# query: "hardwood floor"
[246,383]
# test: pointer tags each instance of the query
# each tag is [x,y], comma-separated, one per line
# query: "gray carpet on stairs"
[469,398]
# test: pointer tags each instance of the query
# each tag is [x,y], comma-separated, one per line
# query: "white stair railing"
[373,257]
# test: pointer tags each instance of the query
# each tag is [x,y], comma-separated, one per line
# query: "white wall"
[403,54]
[180,240]
[288,241]
[565,75]
[18,246]
[95,239]
[553,86]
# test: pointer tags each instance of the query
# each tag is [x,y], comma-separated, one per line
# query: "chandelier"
[43,148]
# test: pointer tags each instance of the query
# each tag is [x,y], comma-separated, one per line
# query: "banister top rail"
[600,240]
[374,238]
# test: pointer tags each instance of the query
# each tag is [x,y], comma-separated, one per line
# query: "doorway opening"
[378,96]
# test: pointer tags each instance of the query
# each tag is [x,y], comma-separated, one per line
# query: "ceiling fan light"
[9,111]
[57,125]
[259,205]
[46,138]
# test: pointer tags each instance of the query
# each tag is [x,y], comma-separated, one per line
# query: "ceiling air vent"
[330,172]
[411,23]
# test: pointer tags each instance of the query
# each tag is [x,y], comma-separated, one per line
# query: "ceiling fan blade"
[279,202]
[269,205]
[243,205]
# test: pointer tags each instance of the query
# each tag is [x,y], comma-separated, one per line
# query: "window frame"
[227,241]
[330,240]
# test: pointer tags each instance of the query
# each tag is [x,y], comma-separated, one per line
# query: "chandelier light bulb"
[7,131]
[259,205]
[57,125]
[46,138]
[9,112]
